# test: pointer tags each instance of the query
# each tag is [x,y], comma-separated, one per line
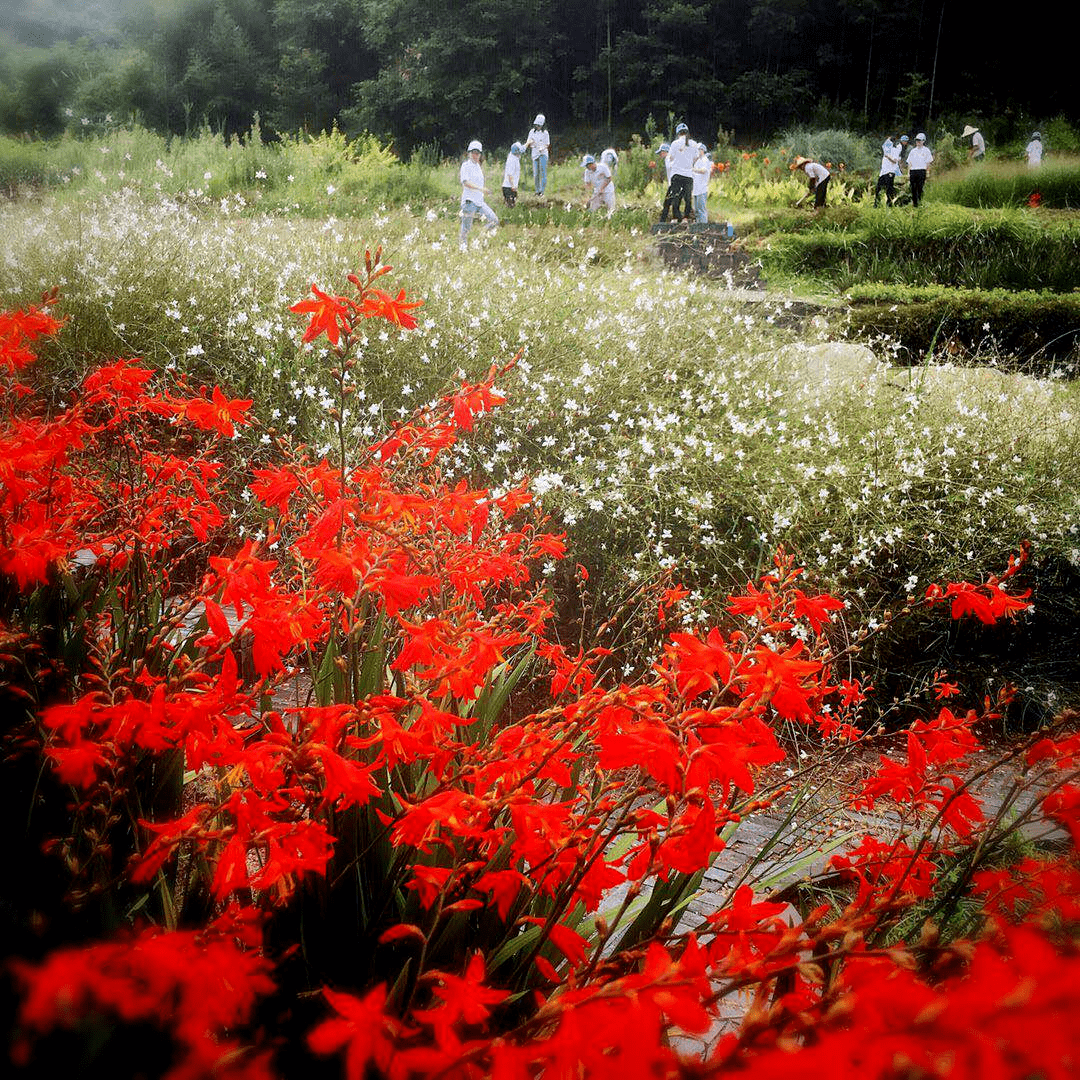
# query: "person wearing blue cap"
[665,156]
[598,182]
[512,174]
[891,150]
[680,192]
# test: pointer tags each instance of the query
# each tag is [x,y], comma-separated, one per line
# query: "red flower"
[330,315]
[378,304]
[218,413]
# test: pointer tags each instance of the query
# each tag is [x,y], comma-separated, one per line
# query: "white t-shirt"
[979,144]
[539,141]
[511,171]
[1034,152]
[919,157]
[890,158]
[682,154]
[702,170]
[597,176]
[471,173]
[668,166]
[816,170]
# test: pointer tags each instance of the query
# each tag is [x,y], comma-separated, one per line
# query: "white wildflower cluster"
[669,424]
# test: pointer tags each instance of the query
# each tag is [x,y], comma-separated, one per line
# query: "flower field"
[392,653]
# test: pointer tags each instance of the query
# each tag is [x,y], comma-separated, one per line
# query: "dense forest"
[439,71]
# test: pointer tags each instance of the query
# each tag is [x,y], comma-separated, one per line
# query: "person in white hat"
[539,142]
[919,160]
[978,143]
[1033,151]
[512,174]
[473,192]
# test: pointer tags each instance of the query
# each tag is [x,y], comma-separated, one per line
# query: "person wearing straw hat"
[978,143]
[473,192]
[919,160]
[1033,152]
[817,177]
[539,142]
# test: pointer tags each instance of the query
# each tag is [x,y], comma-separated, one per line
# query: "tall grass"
[1009,249]
[324,173]
[1056,184]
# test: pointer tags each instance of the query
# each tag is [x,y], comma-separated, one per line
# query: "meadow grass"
[666,424]
[1011,184]
[935,245]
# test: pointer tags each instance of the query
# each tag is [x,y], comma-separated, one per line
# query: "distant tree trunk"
[869,57]
[609,71]
[933,72]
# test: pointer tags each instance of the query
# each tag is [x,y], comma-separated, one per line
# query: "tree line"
[437,72]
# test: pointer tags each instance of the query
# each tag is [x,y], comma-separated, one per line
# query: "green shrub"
[857,152]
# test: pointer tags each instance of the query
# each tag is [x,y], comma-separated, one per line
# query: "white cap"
[475,145]
[539,121]
[920,137]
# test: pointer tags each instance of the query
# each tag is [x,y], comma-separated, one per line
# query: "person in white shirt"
[473,192]
[680,191]
[890,163]
[919,160]
[817,178]
[978,143]
[599,183]
[512,174]
[539,142]
[702,172]
[1034,151]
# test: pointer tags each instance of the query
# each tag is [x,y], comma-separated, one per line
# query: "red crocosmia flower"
[330,315]
[852,692]
[218,413]
[784,679]
[121,380]
[700,665]
[363,1028]
[815,609]
[274,487]
[398,310]
[463,999]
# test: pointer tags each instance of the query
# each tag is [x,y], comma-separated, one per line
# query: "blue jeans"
[540,173]
[469,210]
[701,215]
